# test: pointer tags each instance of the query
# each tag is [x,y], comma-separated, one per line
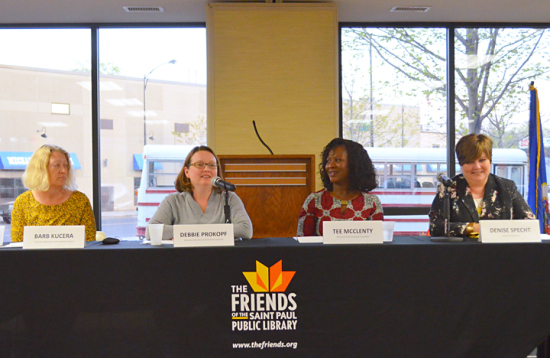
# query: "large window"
[394,103]
[43,100]
[493,68]
[394,83]
[153,93]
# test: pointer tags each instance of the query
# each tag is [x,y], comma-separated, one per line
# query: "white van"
[161,166]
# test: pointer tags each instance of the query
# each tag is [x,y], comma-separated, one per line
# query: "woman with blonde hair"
[197,201]
[52,198]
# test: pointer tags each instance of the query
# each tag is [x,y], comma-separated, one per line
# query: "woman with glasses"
[197,201]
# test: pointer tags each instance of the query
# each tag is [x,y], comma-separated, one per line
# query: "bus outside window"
[407,177]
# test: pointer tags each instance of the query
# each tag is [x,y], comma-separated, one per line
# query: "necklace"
[344,206]
[480,207]
[344,202]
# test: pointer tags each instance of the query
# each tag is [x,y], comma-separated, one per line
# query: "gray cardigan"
[182,209]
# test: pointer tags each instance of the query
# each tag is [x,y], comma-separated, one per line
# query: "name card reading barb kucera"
[502,231]
[54,237]
[353,232]
[203,235]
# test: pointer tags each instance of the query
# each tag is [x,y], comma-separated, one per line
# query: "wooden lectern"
[273,189]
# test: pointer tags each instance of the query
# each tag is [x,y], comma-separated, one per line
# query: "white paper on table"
[12,245]
[164,242]
[309,239]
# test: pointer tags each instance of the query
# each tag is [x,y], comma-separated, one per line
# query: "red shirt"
[321,206]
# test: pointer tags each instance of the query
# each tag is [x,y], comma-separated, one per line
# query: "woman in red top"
[348,176]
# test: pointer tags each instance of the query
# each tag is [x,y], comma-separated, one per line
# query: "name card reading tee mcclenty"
[353,232]
[54,237]
[509,231]
[203,235]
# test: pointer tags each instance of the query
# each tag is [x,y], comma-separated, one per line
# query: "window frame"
[95,91]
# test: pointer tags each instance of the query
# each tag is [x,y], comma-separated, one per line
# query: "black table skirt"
[410,298]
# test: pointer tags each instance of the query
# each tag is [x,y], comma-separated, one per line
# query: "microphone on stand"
[218,182]
[443,179]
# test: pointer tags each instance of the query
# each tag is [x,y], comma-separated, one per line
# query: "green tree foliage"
[104,68]
[388,126]
[490,65]
[503,129]
[369,121]
[196,135]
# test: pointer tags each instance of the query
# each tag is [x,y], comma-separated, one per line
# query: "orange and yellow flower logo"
[273,279]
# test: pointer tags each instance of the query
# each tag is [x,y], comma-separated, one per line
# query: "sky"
[135,51]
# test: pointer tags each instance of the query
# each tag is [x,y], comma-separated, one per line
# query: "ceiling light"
[143,9]
[410,8]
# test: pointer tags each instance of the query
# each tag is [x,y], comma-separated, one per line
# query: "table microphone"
[443,179]
[217,181]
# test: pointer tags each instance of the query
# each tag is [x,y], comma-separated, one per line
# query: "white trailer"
[161,166]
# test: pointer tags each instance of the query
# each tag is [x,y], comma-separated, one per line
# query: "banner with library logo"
[266,303]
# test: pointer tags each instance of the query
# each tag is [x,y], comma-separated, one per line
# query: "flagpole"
[537,197]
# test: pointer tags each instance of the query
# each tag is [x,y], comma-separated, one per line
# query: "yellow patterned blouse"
[27,211]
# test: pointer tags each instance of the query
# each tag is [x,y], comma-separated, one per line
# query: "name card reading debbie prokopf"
[203,235]
[353,232]
[54,237]
[509,231]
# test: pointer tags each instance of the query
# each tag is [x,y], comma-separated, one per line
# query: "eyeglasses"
[211,166]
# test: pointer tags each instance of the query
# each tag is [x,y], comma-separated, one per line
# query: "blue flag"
[538,193]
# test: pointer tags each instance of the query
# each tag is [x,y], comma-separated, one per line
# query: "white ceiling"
[111,11]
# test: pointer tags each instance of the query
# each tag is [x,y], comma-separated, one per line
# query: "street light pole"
[145,80]
[371,95]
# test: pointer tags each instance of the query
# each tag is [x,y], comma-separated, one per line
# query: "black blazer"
[501,201]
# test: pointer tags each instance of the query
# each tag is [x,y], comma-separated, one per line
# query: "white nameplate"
[54,237]
[353,232]
[309,239]
[203,235]
[509,231]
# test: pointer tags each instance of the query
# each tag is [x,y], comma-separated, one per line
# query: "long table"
[410,298]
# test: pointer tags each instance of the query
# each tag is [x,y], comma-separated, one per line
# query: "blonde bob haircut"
[472,147]
[36,175]
[182,181]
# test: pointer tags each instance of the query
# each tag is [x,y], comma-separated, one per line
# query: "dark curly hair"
[362,175]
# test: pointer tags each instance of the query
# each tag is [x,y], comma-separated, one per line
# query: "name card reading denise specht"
[508,231]
[203,235]
[353,232]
